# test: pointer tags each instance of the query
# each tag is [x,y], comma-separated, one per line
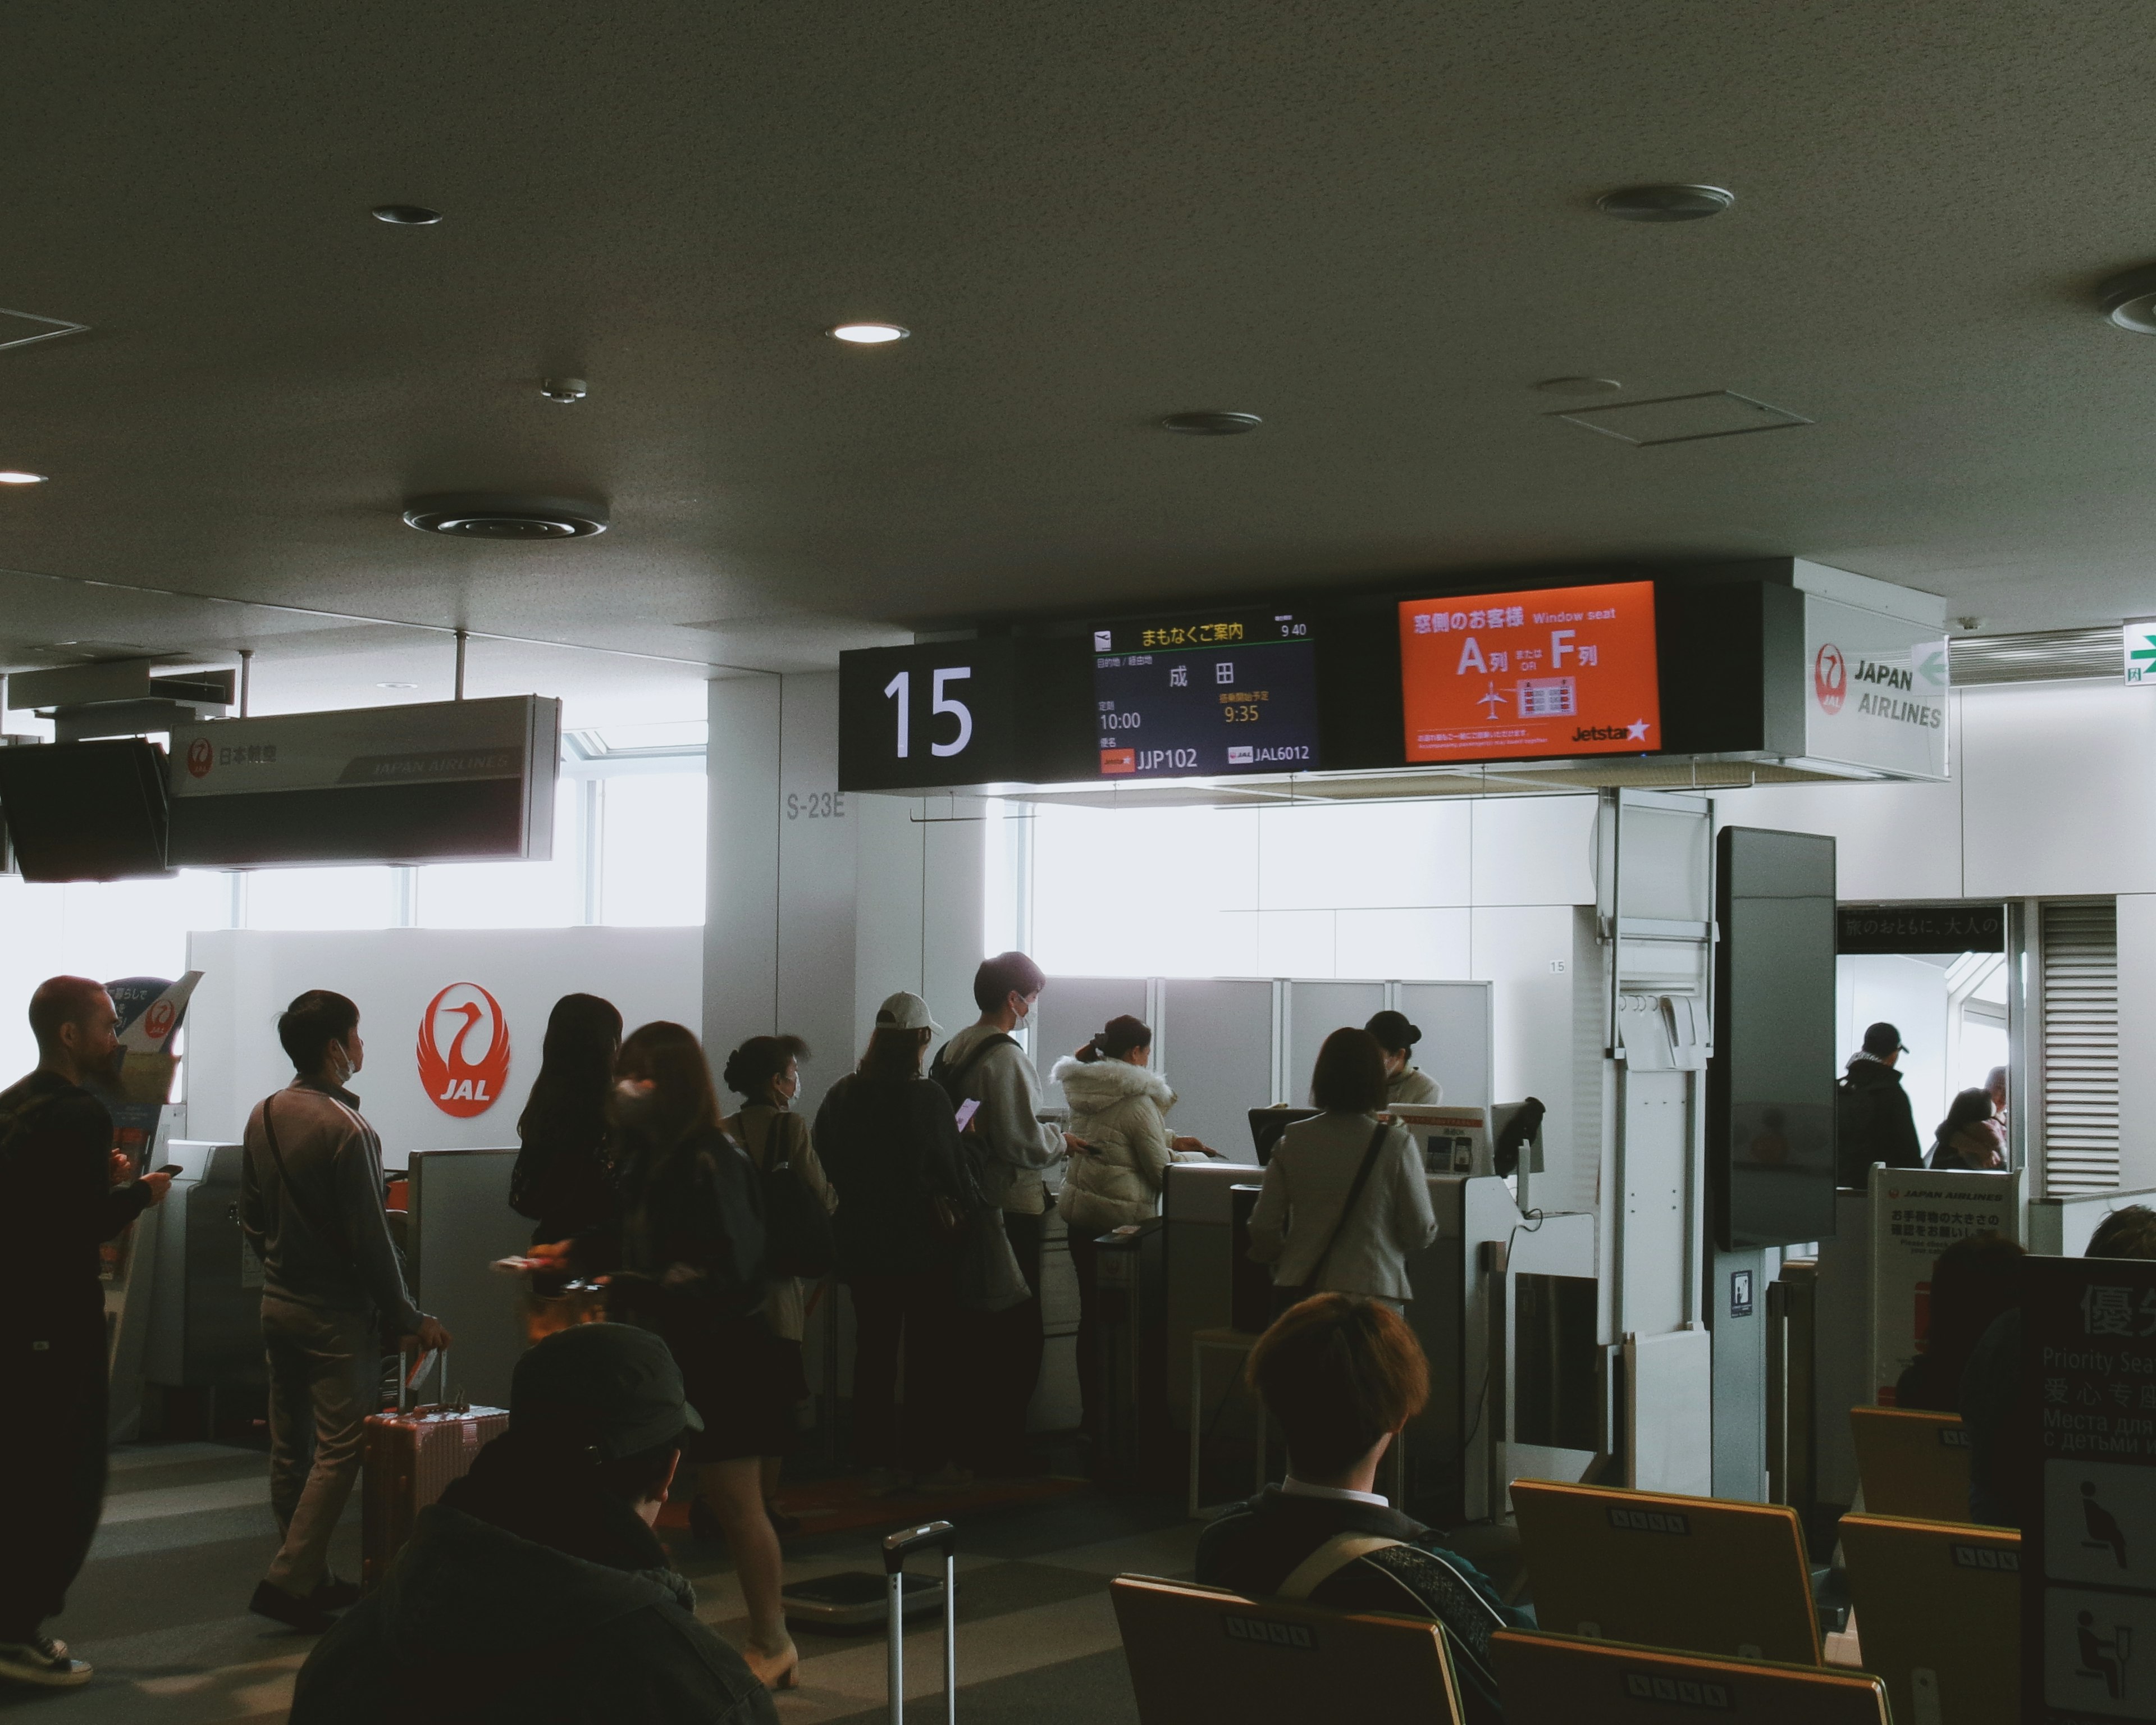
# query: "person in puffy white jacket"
[1118,1113]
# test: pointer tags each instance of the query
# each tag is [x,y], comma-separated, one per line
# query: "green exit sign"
[2141,651]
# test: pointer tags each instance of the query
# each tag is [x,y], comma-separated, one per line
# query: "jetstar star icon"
[1636,731]
[459,1080]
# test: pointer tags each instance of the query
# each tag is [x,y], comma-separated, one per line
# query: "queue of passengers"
[631,1170]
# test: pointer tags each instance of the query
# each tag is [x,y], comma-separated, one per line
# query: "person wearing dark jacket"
[1972,1281]
[57,1204]
[691,1268]
[888,1141]
[535,1589]
[562,1179]
[1873,1122]
[1344,1376]
[1972,1136]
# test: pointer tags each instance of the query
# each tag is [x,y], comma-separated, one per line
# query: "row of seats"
[1645,1600]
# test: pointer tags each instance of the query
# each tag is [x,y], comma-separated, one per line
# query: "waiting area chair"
[1938,1615]
[1199,1655]
[1913,1464]
[1692,1573]
[1569,1679]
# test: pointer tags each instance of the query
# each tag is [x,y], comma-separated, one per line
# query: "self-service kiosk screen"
[1200,697]
[1510,677]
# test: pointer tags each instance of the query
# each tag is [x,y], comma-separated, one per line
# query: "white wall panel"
[1891,841]
[1364,856]
[1534,850]
[1296,943]
[393,974]
[1532,1006]
[1315,1010]
[2056,784]
[816,851]
[1409,945]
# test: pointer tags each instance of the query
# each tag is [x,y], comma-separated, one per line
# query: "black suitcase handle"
[902,1544]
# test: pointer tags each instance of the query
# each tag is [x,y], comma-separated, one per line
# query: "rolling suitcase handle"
[405,1380]
[895,1550]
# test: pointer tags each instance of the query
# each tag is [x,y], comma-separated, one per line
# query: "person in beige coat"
[1302,1224]
[765,1071]
[1118,1115]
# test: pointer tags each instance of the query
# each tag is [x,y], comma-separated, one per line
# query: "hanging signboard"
[1876,694]
[1916,1214]
[1920,928]
[2088,1535]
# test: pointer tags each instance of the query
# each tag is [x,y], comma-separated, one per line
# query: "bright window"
[652,861]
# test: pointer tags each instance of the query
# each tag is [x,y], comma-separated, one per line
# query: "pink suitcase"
[408,1458]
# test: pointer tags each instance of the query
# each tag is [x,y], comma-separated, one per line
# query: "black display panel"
[85,811]
[1206,695]
[924,717]
[1770,1084]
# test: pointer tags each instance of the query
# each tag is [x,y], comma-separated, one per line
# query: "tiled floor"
[161,1608]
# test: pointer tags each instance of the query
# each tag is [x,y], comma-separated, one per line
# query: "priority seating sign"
[2088,1440]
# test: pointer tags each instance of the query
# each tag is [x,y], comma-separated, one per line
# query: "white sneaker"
[42,1660]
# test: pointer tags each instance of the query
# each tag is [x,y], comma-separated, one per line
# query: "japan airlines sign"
[1878,690]
[464,1051]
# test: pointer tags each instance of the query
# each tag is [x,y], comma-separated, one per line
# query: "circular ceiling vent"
[2129,301]
[1665,203]
[473,515]
[1211,424]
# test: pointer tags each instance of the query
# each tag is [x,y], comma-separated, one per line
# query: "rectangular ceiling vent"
[1684,418]
[2050,656]
[19,329]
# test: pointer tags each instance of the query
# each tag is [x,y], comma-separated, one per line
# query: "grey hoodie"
[475,1625]
[1018,1146]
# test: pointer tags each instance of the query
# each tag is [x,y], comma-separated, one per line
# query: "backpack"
[953,1078]
[797,1229]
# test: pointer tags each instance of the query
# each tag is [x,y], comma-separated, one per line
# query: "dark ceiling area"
[1372,225]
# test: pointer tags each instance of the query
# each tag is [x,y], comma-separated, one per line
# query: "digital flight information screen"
[1511,676]
[1200,697]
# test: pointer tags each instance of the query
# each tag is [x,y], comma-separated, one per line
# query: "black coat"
[562,1182]
[694,1208]
[889,1147]
[1872,1123]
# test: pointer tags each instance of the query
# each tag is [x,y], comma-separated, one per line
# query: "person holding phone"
[888,1143]
[1119,1164]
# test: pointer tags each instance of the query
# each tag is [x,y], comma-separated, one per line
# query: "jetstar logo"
[464,1051]
[199,755]
[1830,679]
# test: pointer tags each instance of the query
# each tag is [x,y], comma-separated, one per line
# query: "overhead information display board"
[923,716]
[1206,695]
[1550,672]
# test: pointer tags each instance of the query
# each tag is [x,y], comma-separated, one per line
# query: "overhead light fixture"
[1579,386]
[2129,301]
[1211,423]
[396,686]
[17,476]
[406,215]
[1665,203]
[472,517]
[869,335]
[564,389]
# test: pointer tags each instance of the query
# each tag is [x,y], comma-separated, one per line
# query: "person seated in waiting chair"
[1344,1376]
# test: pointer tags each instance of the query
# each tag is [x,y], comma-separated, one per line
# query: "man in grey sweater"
[311,1202]
[984,1063]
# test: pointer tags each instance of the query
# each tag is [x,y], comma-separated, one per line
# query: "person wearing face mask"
[1404,1081]
[310,1204]
[1118,1111]
[983,1063]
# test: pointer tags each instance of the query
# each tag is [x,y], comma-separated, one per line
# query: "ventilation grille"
[2052,655]
[2079,1017]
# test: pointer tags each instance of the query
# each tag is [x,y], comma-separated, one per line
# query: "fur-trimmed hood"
[1093,1085]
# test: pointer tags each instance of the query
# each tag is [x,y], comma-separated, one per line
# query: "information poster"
[150,1009]
[2088,1541]
[1916,1214]
[1202,696]
[1510,677]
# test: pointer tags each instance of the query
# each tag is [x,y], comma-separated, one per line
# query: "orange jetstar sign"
[464,1051]
[1511,676]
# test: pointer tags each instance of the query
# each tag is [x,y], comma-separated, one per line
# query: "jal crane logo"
[464,1051]
[1830,679]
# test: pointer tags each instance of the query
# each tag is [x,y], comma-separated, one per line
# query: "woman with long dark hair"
[888,1141]
[765,1072]
[562,1179]
[1971,1136]
[691,1269]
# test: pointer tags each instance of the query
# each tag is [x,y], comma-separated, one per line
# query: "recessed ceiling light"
[2129,301]
[1211,423]
[406,215]
[396,686]
[475,517]
[1579,386]
[17,476]
[869,335]
[1665,203]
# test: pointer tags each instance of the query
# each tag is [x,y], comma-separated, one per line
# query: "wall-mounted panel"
[1315,1010]
[1215,1044]
[2052,791]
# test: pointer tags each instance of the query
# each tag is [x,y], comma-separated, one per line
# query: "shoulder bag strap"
[1354,1191]
[291,1191]
[1322,1565]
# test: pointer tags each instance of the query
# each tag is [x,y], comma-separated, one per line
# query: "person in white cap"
[888,1143]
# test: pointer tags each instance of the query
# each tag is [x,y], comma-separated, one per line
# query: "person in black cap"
[535,1587]
[1872,1120]
[1403,1081]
